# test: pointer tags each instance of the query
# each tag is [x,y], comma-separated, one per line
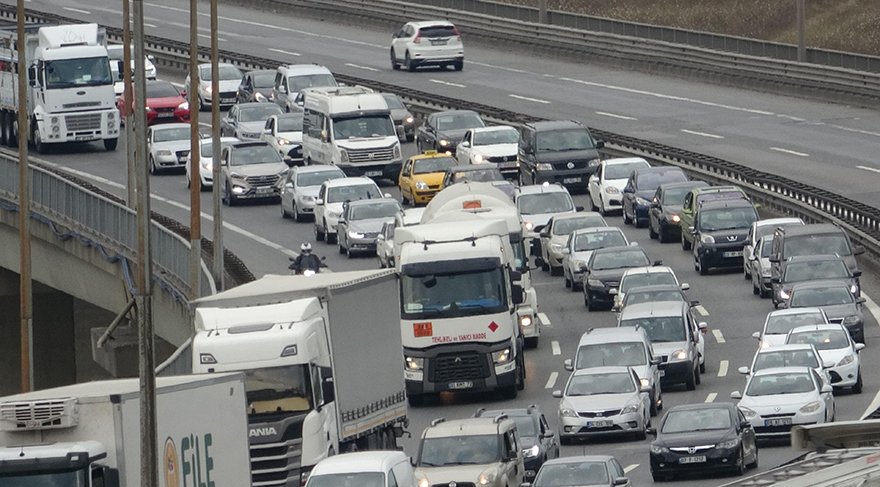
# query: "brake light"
[457,33]
[418,38]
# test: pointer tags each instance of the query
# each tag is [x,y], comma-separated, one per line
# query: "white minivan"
[364,469]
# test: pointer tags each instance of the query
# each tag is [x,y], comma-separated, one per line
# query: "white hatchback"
[606,185]
[836,346]
[427,43]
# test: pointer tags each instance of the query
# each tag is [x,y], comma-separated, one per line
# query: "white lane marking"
[857,131]
[152,26]
[208,36]
[365,68]
[77,10]
[614,115]
[866,168]
[447,83]
[555,346]
[545,320]
[282,51]
[722,368]
[526,98]
[711,397]
[630,468]
[551,381]
[719,337]
[874,309]
[702,134]
[789,151]
[503,68]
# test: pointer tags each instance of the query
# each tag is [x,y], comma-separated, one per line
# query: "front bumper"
[676,372]
[570,178]
[721,255]
[174,160]
[475,373]
[671,461]
[255,192]
[388,170]
[600,294]
[581,427]
[768,427]
[306,206]
[424,196]
[844,375]
[361,244]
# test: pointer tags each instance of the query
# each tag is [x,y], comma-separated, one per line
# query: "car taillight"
[417,39]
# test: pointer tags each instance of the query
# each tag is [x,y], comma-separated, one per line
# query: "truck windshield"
[76,478]
[453,295]
[278,389]
[67,73]
[359,479]
[363,127]
[460,450]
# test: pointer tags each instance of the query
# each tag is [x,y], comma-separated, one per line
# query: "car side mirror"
[621,481]
[539,229]
[692,230]
[594,179]
[857,274]
[685,286]
[656,361]
[568,364]
[600,144]
[319,202]
[282,90]
[658,262]
[566,251]
[464,144]
[753,258]
[578,208]
[582,266]
[743,370]
[614,291]
[858,250]
[827,389]
[633,244]
[516,292]
[651,431]
[828,364]
[703,326]
[745,424]
[736,395]
[756,335]
[860,347]
[267,131]
[862,300]
[645,389]
[629,190]
[380,237]
[557,394]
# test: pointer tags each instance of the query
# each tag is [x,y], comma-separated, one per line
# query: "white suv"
[432,42]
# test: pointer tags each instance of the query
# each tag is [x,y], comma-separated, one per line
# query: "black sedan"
[702,438]
[664,216]
[641,186]
[539,442]
[592,470]
[603,272]
[256,85]
[442,131]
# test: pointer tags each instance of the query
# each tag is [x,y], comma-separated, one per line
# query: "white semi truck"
[322,360]
[70,86]
[89,434]
[458,307]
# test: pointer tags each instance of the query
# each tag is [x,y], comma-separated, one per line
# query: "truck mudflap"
[463,367]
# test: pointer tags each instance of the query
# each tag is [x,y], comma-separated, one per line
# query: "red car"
[164,104]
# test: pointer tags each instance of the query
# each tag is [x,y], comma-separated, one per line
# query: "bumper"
[255,193]
[599,294]
[434,57]
[844,376]
[675,462]
[178,116]
[306,207]
[606,426]
[573,177]
[641,212]
[528,322]
[554,258]
[675,372]
[424,197]
[206,176]
[721,255]
[362,244]
[476,374]
[388,170]
[172,161]
[764,430]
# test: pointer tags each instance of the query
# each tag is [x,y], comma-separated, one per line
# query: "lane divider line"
[711,397]
[719,337]
[614,115]
[867,168]
[282,51]
[545,320]
[77,10]
[358,66]
[722,368]
[789,151]
[702,134]
[447,83]
[552,380]
[555,346]
[526,98]
[630,468]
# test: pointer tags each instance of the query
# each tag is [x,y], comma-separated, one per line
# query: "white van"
[351,127]
[290,79]
[364,469]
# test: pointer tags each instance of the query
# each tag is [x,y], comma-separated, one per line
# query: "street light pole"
[195,186]
[24,214]
[217,266]
[128,100]
[802,30]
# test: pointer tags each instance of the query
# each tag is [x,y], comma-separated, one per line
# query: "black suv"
[442,131]
[539,442]
[561,151]
[720,230]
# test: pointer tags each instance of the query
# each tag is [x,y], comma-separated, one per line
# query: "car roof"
[812,258]
[289,115]
[252,104]
[541,188]
[318,168]
[607,369]
[223,140]
[778,221]
[579,459]
[597,230]
[718,189]
[794,311]
[817,327]
[819,284]
[702,405]
[653,269]
[685,184]
[166,126]
[468,426]
[786,346]
[613,335]
[654,308]
[494,128]
[248,143]
[431,154]
[219,65]
[813,228]
[348,181]
[512,412]
[429,23]
[365,461]
[718,204]
[556,125]
[471,167]
[617,248]
[261,71]
[456,112]
[655,287]
[295,69]
[373,201]
[623,160]
[576,216]
[781,370]
[656,170]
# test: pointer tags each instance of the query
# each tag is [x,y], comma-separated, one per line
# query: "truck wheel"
[38,144]
[110,144]
[415,400]
[12,138]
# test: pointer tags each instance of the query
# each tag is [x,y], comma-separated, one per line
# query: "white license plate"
[265,190]
[165,114]
[461,385]
[438,42]
[571,180]
[733,253]
[602,423]
[696,459]
[371,174]
[662,373]
[85,137]
[777,422]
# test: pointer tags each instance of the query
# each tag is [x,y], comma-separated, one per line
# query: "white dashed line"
[77,10]
[503,68]
[208,36]
[866,168]
[719,337]
[702,134]
[552,380]
[555,346]
[447,83]
[789,151]
[630,468]
[365,68]
[722,368]
[711,397]
[282,51]
[535,100]
[545,320]
[152,26]
[614,115]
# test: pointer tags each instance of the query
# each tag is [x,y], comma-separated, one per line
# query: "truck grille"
[462,366]
[358,156]
[276,463]
[262,180]
[86,121]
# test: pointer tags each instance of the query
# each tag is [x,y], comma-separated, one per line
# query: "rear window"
[438,31]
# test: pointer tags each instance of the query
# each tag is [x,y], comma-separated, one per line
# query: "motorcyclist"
[306,260]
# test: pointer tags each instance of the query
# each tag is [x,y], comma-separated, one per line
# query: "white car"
[116,55]
[168,146]
[758,267]
[498,144]
[777,399]
[537,203]
[301,188]
[206,162]
[835,345]
[789,355]
[332,196]
[555,233]
[760,229]
[603,401]
[778,323]
[285,133]
[607,184]
[645,276]
[367,468]
[427,43]
[230,78]
[385,241]
[581,244]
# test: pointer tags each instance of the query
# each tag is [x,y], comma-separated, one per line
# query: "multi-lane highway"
[825,145]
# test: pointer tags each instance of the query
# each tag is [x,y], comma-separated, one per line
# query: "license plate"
[371,174]
[438,42]
[733,253]
[696,459]
[662,373]
[602,423]
[777,422]
[267,189]
[85,137]
[571,180]
[461,385]
[165,114]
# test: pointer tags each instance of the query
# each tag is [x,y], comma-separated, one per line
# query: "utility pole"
[542,11]
[195,186]
[215,153]
[25,289]
[144,278]
[128,100]
[802,30]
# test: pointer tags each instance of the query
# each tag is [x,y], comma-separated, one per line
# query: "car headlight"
[594,162]
[674,218]
[630,408]
[658,449]
[408,120]
[748,413]
[486,478]
[183,106]
[848,359]
[529,225]
[478,158]
[421,185]
[354,234]
[423,482]
[414,363]
[645,382]
[611,190]
[852,319]
[282,141]
[306,198]
[396,151]
[343,155]
[810,407]
[595,282]
[543,166]
[531,452]
[208,89]
[161,153]
[642,201]
[784,294]
[525,321]
[259,97]
[502,357]
[854,288]
[765,272]
[707,239]
[443,142]
[557,247]
[728,444]
[235,175]
[680,354]
[568,412]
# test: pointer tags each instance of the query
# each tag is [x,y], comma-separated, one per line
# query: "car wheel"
[651,233]
[555,271]
[701,266]
[591,306]
[284,214]
[754,463]
[763,293]
[626,219]
[857,387]
[408,63]
[685,245]
[653,404]
[458,65]
[691,382]
[331,238]
[153,169]
[297,216]
[320,235]
[394,64]
[188,182]
[566,279]
[230,199]
[740,467]
[746,274]
[702,367]
[698,379]
[641,435]
[410,137]
[593,206]
[602,210]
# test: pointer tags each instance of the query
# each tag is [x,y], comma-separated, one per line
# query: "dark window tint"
[438,31]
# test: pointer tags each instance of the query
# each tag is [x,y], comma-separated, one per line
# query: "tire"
[394,64]
[740,468]
[602,210]
[410,138]
[857,387]
[654,410]
[593,206]
[284,214]
[331,238]
[626,219]
[642,434]
[532,342]
[568,282]
[746,274]
[662,235]
[698,379]
[555,271]
[341,249]
[702,368]
[685,245]
[110,144]
[458,65]
[297,216]
[658,477]
[651,233]
[755,289]
[4,128]
[408,63]
[38,144]
[153,169]
[754,464]
[230,197]
[564,440]
[691,383]
[320,236]
[591,306]
[763,293]
[704,270]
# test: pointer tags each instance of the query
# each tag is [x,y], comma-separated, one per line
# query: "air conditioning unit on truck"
[322,362]
[485,201]
[89,434]
[70,86]
[458,310]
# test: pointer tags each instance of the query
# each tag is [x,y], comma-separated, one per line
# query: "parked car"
[256,85]
[442,131]
[301,187]
[247,121]
[427,43]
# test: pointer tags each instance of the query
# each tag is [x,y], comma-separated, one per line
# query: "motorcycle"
[307,271]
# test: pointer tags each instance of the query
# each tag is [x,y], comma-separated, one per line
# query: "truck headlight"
[680,354]
[343,155]
[525,321]
[707,239]
[502,357]
[421,185]
[414,363]
[810,407]
[611,190]
[543,166]
[531,452]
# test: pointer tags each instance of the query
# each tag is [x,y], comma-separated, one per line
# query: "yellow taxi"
[421,176]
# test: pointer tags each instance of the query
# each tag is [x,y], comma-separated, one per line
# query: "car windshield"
[625,354]
[572,474]
[660,328]
[619,259]
[255,154]
[460,450]
[767,249]
[374,210]
[565,226]
[821,296]
[433,165]
[393,101]
[634,296]
[630,281]
[291,122]
[525,425]
[272,390]
[565,140]
[264,79]
[727,218]
[597,240]
[593,384]
[300,82]
[68,73]
[537,203]
[822,339]
[782,324]
[480,175]
[258,113]
[652,180]
[720,195]
[169,134]
[363,127]
[459,121]
[491,137]
[823,243]
[225,72]
[622,170]
[806,271]
[785,358]
[765,230]
[161,89]
[787,383]
[354,479]
[353,192]
[675,195]
[453,295]
[315,178]
[686,420]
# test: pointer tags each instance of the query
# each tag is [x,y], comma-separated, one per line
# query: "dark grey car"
[442,131]
[539,442]
[247,120]
[361,223]
[558,151]
[803,268]
[836,300]
[402,117]
[256,85]
[603,272]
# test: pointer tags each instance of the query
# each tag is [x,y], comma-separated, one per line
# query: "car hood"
[840,310]
[646,194]
[430,178]
[452,473]
[308,191]
[538,219]
[729,235]
[497,149]
[566,156]
[582,256]
[367,142]
[672,208]
[600,402]
[292,137]
[225,85]
[778,403]
[172,145]
[616,183]
[266,169]
[694,438]
[372,225]
[398,114]
[165,102]
[834,355]
[453,135]
[608,274]
[666,348]
[252,127]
